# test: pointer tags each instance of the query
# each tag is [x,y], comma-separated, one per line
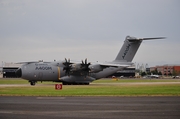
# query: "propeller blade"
[86,61]
[69,60]
[67,66]
[85,67]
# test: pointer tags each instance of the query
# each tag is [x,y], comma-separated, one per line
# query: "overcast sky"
[32,30]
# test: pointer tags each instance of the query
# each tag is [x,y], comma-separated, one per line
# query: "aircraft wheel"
[65,83]
[85,83]
[32,83]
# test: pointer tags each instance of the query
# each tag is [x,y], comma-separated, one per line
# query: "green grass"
[125,87]
[13,81]
[114,90]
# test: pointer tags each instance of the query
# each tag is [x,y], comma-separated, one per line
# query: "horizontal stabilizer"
[132,39]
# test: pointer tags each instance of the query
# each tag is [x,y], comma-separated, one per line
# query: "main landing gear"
[32,83]
[65,83]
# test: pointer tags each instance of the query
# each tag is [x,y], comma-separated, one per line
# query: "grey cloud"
[65,25]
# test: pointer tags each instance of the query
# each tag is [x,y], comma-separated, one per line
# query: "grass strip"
[94,90]
[22,81]
[122,87]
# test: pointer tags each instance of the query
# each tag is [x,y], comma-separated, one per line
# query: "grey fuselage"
[54,72]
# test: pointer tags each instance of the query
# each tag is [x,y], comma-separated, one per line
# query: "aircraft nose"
[19,72]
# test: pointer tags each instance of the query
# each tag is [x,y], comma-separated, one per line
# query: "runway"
[90,107]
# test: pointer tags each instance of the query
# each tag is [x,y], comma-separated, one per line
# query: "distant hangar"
[9,69]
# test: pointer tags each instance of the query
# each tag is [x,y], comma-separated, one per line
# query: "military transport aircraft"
[83,72]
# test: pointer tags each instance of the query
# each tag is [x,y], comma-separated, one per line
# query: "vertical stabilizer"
[130,47]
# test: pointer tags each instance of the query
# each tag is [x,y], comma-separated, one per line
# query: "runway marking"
[51,98]
[6,112]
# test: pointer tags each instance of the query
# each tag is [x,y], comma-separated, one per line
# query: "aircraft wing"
[106,64]
[116,64]
[31,62]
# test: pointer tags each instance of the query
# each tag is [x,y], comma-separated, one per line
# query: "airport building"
[9,69]
[167,70]
[1,72]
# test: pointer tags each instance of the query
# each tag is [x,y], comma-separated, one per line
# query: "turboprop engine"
[95,68]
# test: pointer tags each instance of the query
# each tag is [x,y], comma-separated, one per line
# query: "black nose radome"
[18,72]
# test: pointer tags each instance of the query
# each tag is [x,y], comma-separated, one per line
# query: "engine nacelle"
[95,68]
[76,67]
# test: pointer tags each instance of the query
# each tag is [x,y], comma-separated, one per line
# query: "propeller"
[85,67]
[67,67]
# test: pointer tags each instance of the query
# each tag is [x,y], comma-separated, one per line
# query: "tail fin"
[130,47]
